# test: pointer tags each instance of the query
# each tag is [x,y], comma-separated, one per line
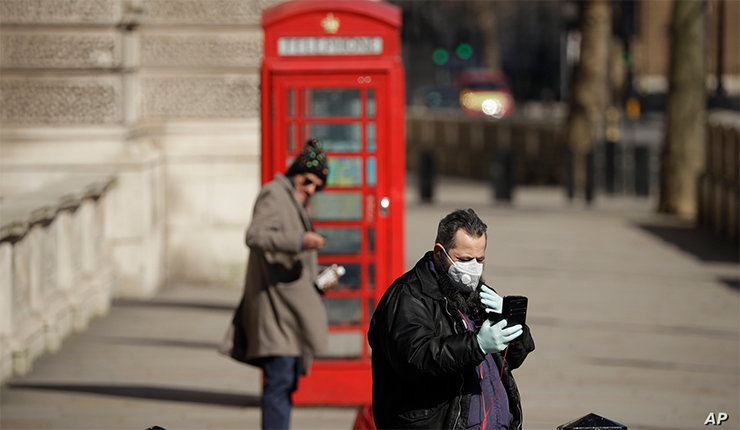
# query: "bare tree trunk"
[487,22]
[590,83]
[683,150]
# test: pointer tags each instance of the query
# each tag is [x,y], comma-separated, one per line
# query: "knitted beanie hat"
[312,159]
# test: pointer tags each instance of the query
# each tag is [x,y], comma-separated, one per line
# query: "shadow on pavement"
[159,342]
[626,327]
[148,392]
[664,365]
[696,242]
[154,303]
[732,283]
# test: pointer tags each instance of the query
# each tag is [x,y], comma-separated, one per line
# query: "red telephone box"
[332,70]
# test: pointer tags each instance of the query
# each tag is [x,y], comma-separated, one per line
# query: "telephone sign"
[332,70]
[330,46]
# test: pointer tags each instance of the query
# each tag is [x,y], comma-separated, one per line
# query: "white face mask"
[464,274]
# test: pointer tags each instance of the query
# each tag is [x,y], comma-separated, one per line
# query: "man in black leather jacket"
[437,361]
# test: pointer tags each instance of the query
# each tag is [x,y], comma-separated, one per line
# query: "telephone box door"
[346,113]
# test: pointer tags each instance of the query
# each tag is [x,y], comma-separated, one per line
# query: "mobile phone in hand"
[514,310]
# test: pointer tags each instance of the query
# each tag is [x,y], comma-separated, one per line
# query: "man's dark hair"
[467,220]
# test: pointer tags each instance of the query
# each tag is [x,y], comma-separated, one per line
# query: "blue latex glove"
[492,301]
[496,337]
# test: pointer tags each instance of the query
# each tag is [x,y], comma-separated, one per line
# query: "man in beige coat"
[282,318]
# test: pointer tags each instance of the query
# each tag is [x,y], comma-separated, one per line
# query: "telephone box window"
[371,308]
[344,311]
[371,146]
[345,345]
[340,241]
[344,172]
[351,279]
[371,103]
[291,103]
[332,103]
[372,172]
[337,207]
[291,138]
[337,137]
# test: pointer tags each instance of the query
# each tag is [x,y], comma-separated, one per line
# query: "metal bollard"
[569,174]
[590,177]
[592,422]
[426,176]
[642,171]
[502,174]
[610,167]
[570,186]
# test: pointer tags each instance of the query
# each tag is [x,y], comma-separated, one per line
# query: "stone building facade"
[162,93]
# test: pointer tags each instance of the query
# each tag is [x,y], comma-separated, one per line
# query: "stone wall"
[200,104]
[164,94]
[56,267]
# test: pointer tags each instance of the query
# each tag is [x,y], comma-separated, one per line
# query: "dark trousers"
[280,380]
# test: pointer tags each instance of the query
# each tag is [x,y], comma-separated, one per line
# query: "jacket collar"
[289,187]
[427,279]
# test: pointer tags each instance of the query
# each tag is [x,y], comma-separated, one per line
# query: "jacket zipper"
[459,394]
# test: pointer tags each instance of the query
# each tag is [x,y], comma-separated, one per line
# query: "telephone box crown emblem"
[330,24]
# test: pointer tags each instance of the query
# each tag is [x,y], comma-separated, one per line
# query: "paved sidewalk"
[636,318]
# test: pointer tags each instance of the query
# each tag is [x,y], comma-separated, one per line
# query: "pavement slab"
[635,316]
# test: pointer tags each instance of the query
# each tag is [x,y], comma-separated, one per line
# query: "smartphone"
[514,310]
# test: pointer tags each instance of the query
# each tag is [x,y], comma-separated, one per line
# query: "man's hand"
[496,337]
[492,301]
[313,240]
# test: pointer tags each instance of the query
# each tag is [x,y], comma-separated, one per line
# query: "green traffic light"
[626,58]
[440,57]
[464,51]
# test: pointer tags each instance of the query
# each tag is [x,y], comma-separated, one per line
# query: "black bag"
[234,344]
